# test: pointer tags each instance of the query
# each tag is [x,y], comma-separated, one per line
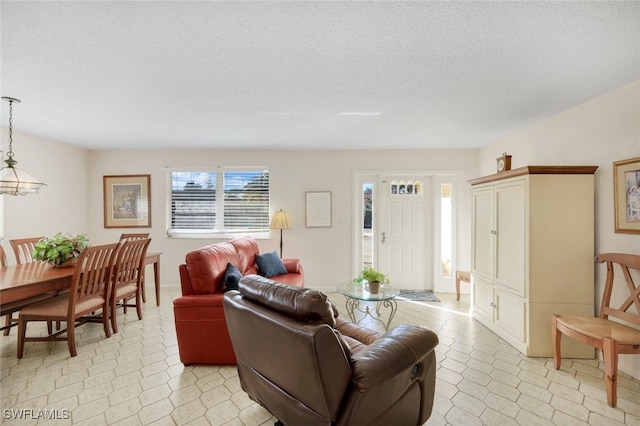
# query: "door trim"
[454,177]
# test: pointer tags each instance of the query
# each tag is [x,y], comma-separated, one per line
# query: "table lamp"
[280,220]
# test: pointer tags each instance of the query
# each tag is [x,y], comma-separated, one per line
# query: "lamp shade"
[14,181]
[280,220]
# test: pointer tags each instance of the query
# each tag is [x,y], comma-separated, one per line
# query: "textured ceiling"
[307,75]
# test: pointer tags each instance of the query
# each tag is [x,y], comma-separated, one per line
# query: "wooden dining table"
[19,282]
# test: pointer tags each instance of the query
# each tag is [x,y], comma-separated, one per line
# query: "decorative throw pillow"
[231,277]
[270,265]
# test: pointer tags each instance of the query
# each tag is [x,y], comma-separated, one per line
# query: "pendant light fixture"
[14,181]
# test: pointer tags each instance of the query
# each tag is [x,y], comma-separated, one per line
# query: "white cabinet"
[532,253]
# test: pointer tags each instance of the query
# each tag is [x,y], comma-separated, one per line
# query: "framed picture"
[626,189]
[127,201]
[318,209]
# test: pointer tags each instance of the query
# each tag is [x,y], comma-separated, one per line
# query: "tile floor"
[136,378]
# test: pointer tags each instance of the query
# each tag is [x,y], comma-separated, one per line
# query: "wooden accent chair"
[612,337]
[128,277]
[23,249]
[461,276]
[89,292]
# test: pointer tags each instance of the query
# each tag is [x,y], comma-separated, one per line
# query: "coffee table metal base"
[353,306]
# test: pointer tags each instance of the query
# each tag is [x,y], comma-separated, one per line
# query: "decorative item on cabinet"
[503,163]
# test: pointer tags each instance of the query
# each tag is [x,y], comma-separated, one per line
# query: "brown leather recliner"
[308,366]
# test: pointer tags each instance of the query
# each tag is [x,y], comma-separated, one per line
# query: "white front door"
[403,230]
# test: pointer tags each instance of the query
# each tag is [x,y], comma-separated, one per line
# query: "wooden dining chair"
[8,309]
[136,236]
[128,278]
[89,293]
[23,249]
[611,336]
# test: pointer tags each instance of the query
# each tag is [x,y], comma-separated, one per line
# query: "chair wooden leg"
[105,323]
[71,339]
[22,330]
[112,314]
[7,323]
[139,305]
[556,337]
[457,288]
[610,358]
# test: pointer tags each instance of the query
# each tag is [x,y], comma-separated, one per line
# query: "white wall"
[324,252]
[61,206]
[598,132]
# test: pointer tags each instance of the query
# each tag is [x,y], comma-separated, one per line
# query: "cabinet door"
[511,315]
[482,300]
[510,236]
[483,239]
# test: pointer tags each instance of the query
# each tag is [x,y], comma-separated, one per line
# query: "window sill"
[220,235]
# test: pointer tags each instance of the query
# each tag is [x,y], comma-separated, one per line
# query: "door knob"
[384,238]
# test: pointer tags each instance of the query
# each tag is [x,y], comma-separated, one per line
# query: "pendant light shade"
[14,181]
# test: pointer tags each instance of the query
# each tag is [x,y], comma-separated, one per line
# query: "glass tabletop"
[360,291]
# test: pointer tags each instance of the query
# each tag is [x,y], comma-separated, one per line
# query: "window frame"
[218,233]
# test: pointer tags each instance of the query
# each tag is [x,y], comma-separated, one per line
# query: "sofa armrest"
[293,266]
[185,281]
[397,353]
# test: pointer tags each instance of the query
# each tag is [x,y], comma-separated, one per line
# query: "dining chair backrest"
[92,277]
[3,257]
[128,278]
[139,236]
[128,264]
[23,249]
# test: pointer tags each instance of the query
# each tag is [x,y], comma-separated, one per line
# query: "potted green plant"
[374,279]
[60,250]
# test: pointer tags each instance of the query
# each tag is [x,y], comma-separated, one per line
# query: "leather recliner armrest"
[395,353]
[361,334]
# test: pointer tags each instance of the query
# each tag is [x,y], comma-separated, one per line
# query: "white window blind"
[207,203]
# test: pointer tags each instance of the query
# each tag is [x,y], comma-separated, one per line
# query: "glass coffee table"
[356,292]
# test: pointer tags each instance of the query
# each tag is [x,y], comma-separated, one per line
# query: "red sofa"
[201,327]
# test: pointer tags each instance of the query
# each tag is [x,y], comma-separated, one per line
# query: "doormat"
[418,296]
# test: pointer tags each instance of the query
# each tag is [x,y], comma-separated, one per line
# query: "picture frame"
[318,209]
[626,190]
[127,201]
